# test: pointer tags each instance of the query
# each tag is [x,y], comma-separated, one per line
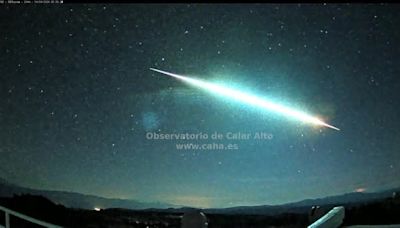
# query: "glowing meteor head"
[250,100]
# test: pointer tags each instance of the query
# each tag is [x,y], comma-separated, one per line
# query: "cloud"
[192,200]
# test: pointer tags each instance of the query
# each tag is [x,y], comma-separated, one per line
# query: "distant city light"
[360,190]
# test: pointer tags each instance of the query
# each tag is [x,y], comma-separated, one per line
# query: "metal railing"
[9,212]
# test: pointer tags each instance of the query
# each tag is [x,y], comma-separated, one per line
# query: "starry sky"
[77,100]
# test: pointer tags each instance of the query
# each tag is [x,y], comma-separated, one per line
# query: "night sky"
[77,99]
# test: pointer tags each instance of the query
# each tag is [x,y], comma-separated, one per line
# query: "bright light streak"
[250,99]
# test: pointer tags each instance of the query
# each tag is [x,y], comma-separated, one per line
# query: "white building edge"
[334,218]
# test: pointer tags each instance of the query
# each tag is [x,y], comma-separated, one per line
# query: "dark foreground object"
[380,212]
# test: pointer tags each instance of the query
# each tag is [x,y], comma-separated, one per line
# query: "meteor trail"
[250,99]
